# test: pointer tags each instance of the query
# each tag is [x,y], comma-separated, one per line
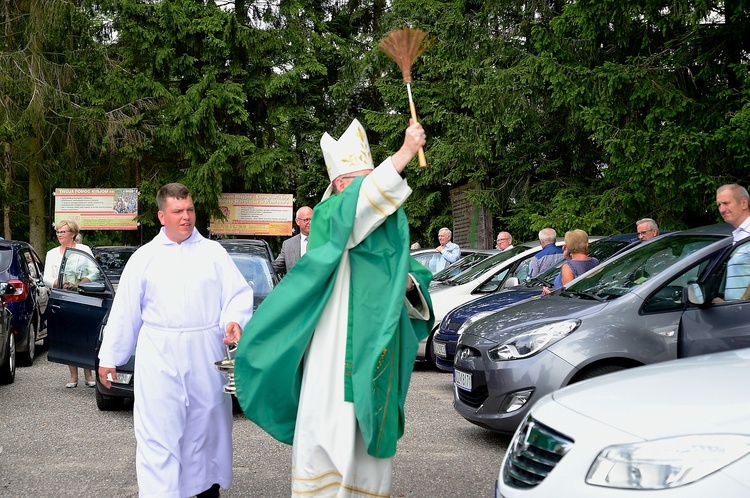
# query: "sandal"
[90,383]
[71,384]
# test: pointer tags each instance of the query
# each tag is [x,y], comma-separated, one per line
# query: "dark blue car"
[444,342]
[21,267]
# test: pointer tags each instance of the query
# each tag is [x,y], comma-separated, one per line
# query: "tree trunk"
[37,226]
[8,177]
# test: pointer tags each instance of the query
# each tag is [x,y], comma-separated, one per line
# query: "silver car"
[675,429]
[622,314]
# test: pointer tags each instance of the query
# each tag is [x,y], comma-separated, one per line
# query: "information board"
[98,208]
[254,214]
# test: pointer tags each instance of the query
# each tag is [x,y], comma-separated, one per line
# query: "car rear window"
[112,260]
[6,257]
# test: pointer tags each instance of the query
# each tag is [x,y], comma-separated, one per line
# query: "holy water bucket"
[226,367]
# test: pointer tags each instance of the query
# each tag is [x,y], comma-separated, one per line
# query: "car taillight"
[22,291]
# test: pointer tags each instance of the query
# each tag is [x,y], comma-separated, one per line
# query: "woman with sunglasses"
[67,231]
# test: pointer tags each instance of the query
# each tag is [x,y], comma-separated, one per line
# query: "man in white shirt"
[294,247]
[733,203]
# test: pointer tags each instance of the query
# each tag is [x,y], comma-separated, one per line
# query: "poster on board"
[254,214]
[98,208]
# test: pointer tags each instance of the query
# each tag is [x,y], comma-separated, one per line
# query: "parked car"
[675,429]
[112,260]
[21,266]
[7,337]
[622,314]
[445,339]
[430,257]
[77,318]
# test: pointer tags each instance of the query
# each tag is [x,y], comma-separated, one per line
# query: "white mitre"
[349,154]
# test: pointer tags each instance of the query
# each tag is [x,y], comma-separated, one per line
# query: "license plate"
[439,348]
[462,379]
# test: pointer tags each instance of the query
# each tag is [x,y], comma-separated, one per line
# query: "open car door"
[78,303]
[718,316]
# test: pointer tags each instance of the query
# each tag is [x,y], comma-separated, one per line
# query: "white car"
[672,429]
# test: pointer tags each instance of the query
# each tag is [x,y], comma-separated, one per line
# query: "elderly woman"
[66,231]
[576,251]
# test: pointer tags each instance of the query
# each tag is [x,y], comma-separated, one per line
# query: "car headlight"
[533,341]
[666,463]
[471,320]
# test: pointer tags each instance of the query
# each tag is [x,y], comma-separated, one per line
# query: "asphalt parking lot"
[55,443]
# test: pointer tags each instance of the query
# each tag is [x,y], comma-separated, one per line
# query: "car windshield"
[460,265]
[485,265]
[257,272]
[629,271]
[113,260]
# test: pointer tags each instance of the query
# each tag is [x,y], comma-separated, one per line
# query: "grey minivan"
[624,313]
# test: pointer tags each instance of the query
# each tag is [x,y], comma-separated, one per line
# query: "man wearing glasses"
[504,241]
[295,247]
[647,229]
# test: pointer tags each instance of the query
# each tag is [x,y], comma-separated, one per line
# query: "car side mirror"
[695,294]
[511,282]
[98,288]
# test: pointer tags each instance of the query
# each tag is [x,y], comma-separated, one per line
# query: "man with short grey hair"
[646,229]
[504,241]
[550,254]
[733,203]
[449,251]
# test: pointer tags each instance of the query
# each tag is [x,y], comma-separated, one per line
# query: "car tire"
[108,403]
[26,358]
[8,368]
[597,372]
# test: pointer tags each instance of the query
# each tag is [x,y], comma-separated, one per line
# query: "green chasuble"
[382,340]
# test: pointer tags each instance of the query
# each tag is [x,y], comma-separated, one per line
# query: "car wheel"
[8,368]
[596,372]
[26,358]
[108,403]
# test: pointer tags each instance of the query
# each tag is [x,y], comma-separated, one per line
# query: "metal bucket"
[226,367]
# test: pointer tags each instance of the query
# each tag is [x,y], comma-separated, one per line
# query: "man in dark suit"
[294,247]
